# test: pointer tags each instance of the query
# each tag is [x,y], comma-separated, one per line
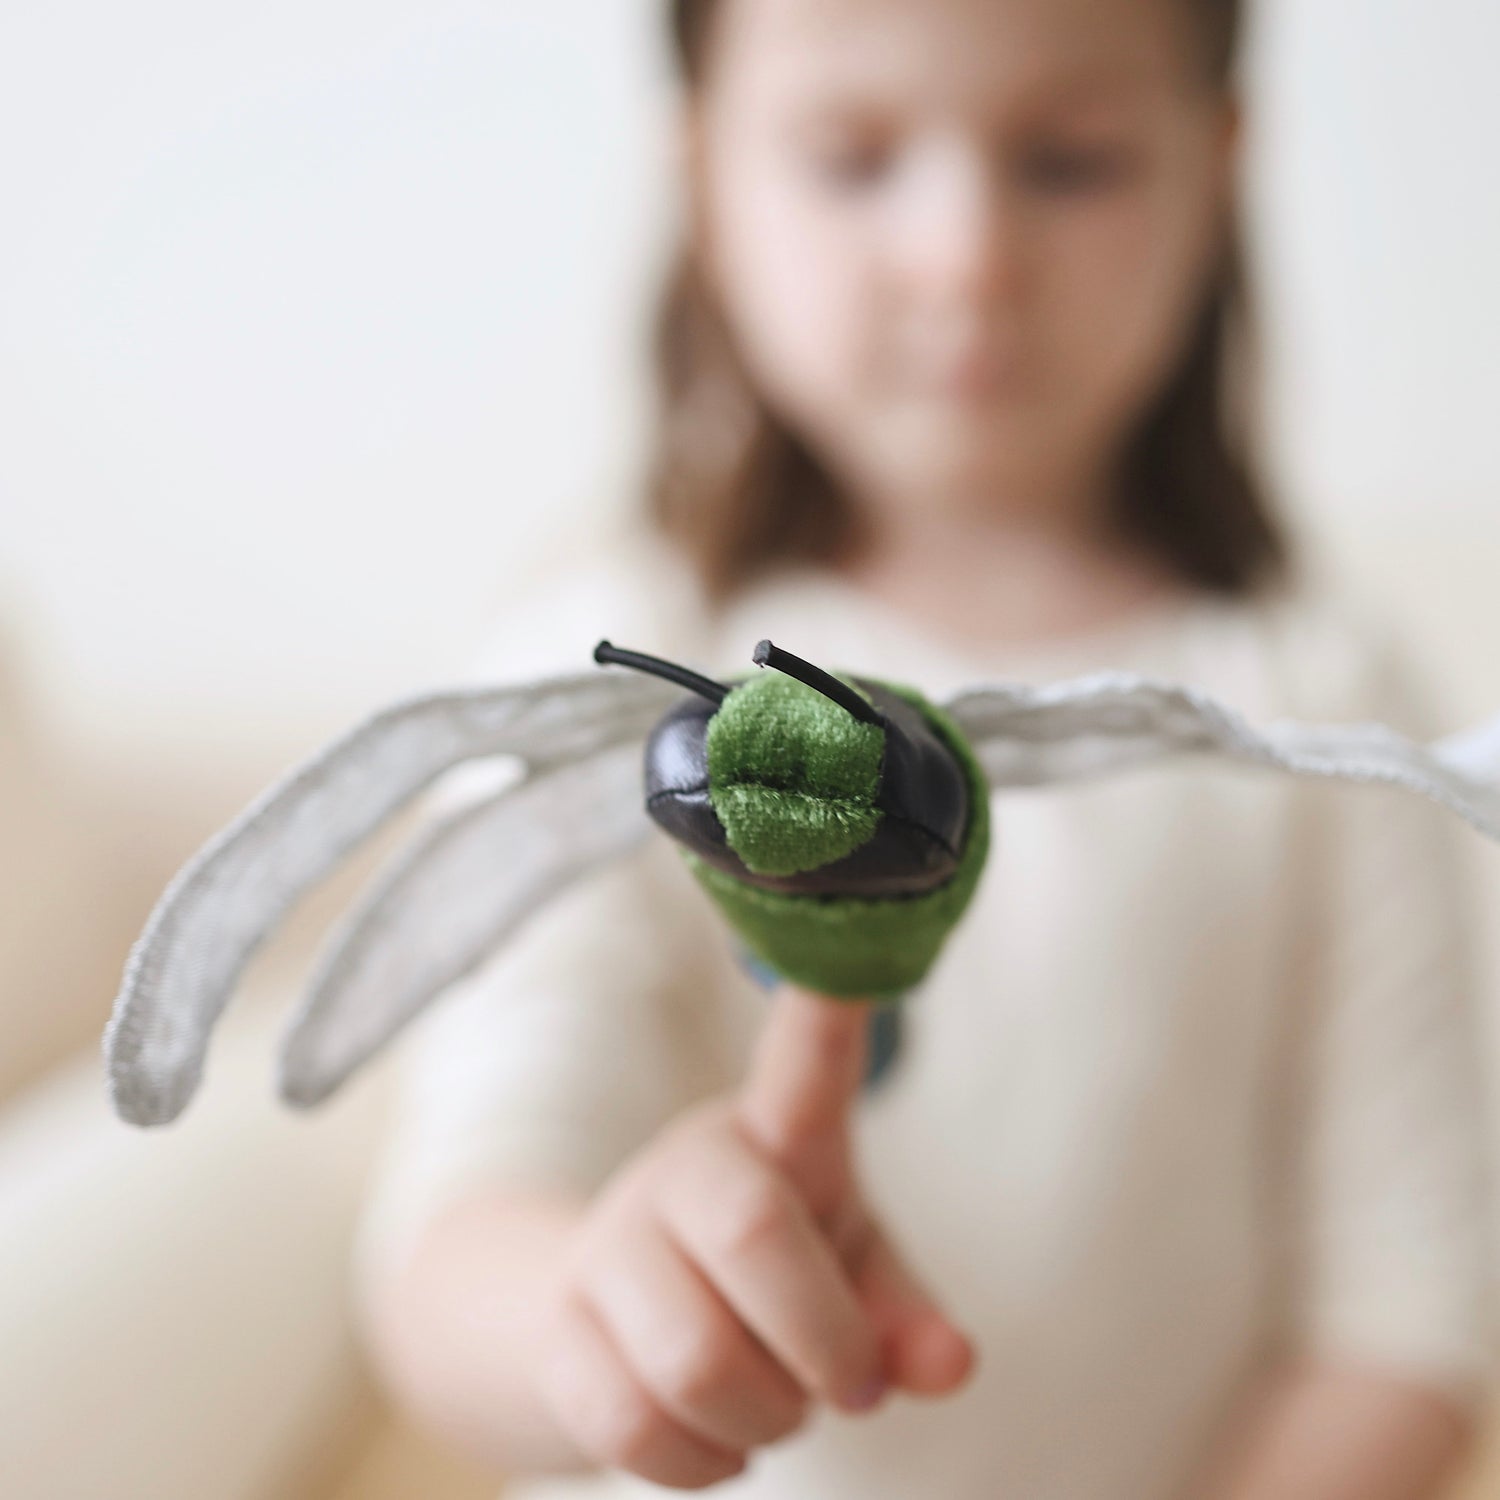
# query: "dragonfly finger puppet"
[839,823]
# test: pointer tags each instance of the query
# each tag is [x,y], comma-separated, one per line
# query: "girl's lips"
[977,376]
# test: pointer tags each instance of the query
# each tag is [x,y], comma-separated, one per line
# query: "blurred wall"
[318,318]
[316,321]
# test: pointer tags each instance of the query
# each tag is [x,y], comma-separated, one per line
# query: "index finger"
[807,1068]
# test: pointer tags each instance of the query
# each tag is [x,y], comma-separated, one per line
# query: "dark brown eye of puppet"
[922,797]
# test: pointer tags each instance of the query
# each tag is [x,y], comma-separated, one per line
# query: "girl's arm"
[1318,1430]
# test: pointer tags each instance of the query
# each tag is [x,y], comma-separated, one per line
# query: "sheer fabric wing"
[1029,736]
[451,899]
[239,887]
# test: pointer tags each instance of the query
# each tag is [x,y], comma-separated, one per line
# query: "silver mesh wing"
[1108,721]
[241,885]
[451,899]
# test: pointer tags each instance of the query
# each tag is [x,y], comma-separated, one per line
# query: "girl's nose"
[956,236]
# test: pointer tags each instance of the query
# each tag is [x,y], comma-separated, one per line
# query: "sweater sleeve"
[1392,1237]
[593,1024]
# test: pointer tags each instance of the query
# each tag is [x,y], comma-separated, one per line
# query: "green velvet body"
[793,778]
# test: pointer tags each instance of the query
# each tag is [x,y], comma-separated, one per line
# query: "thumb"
[922,1350]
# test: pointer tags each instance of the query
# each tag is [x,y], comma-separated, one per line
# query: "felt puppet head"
[841,826]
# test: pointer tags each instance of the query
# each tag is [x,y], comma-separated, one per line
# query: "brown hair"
[737,491]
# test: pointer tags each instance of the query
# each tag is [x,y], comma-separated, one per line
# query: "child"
[1173,1184]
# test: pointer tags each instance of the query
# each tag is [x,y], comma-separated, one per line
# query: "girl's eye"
[851,165]
[1068,170]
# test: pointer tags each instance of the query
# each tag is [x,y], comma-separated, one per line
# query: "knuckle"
[624,1427]
[697,1368]
[677,1157]
[607,1412]
[757,1213]
[791,1420]
[717,1475]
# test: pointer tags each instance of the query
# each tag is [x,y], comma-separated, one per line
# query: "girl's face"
[959,242]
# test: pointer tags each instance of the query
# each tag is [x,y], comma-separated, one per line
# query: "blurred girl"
[1172,1183]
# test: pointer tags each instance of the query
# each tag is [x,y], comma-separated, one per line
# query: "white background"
[320,320]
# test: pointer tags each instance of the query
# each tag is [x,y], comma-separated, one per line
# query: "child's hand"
[730,1271]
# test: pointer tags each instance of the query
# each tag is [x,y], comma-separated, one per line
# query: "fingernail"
[867,1396]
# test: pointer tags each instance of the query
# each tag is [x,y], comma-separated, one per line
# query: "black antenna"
[767,655]
[682,676]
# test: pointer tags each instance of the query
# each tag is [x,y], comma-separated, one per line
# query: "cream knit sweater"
[1197,1077]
